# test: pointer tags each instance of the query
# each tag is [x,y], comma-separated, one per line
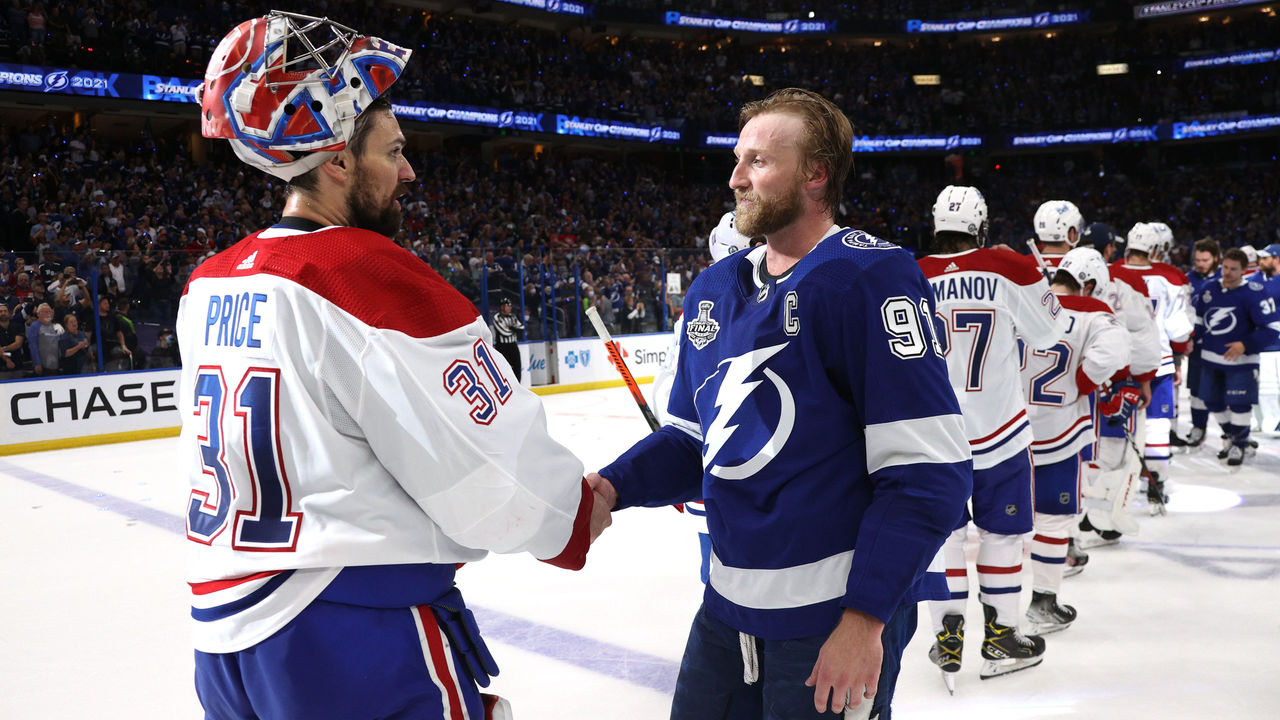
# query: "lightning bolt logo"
[1221,321]
[734,391]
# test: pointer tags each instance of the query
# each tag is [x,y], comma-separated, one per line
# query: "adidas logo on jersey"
[952,268]
[247,263]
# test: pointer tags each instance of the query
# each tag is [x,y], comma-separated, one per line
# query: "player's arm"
[464,440]
[918,456]
[1036,312]
[1145,351]
[1105,353]
[1266,321]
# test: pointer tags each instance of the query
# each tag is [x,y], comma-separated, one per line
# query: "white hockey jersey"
[1168,289]
[1126,295]
[343,406]
[986,298]
[1058,380]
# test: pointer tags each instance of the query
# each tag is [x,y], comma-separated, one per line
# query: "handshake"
[605,498]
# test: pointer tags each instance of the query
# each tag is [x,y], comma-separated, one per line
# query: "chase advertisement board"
[87,405]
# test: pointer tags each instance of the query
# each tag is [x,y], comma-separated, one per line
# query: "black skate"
[945,652]
[1109,537]
[1005,649]
[1156,496]
[1235,455]
[1046,615]
[1076,559]
[1175,440]
[1195,437]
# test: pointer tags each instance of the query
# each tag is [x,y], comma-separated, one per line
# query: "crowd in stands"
[1026,81]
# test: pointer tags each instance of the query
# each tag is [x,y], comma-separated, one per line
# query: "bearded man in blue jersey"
[812,412]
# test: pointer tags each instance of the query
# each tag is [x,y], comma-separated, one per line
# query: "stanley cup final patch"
[702,329]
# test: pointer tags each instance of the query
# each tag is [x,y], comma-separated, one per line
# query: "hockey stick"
[615,355]
[1044,264]
[1155,487]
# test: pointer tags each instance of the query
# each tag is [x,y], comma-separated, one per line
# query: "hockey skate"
[1076,559]
[1005,649]
[1094,537]
[1156,496]
[1235,455]
[1195,438]
[1047,616]
[945,652]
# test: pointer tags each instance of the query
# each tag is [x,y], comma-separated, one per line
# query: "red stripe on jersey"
[1130,278]
[1018,268]
[363,273]
[1051,540]
[1074,426]
[213,586]
[995,570]
[1020,416]
[439,659]
[1083,303]
[956,572]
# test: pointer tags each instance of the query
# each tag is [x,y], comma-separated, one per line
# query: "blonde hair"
[827,139]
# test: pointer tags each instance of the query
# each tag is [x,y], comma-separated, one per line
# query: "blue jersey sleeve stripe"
[936,439]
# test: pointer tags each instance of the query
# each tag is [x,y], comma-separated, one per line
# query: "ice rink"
[1178,622]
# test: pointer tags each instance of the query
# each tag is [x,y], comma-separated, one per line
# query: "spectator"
[42,338]
[73,346]
[12,340]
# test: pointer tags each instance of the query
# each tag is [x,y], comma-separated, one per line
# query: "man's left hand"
[848,664]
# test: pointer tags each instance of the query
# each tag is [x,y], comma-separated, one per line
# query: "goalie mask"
[725,239]
[961,209]
[1054,221]
[286,89]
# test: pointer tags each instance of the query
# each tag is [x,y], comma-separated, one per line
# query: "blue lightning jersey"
[813,413]
[1245,313]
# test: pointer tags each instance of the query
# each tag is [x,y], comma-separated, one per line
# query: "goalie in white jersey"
[985,298]
[346,451]
[1058,382]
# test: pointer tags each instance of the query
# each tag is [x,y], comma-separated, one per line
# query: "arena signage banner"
[1177,7]
[1015,22]
[584,360]
[555,6]
[907,143]
[1211,128]
[1245,57]
[616,129]
[776,27]
[41,79]
[83,406]
[1138,133]
[469,115]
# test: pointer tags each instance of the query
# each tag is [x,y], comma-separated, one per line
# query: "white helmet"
[725,239]
[285,89]
[1251,253]
[1055,219]
[1085,264]
[961,209]
[1165,234]
[1144,238]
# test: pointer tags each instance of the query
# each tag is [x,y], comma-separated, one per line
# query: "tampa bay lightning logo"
[1120,135]
[655,134]
[740,390]
[953,141]
[553,5]
[1042,20]
[56,81]
[1220,321]
[860,240]
[791,26]
[506,119]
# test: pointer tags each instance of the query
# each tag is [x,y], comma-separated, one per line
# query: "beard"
[368,212]
[769,215]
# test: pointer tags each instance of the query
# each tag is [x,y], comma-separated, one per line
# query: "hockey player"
[1058,382]
[346,450]
[985,298]
[1058,225]
[1169,291]
[1205,256]
[1113,468]
[1267,411]
[723,241]
[1237,319]
[779,419]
